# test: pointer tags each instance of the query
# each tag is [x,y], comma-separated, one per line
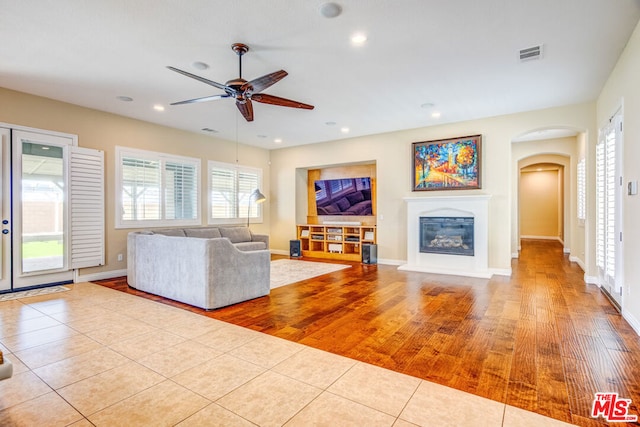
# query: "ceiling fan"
[244,91]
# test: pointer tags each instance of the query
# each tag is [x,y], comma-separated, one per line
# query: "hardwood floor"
[541,340]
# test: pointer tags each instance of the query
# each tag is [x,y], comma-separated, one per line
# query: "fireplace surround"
[475,207]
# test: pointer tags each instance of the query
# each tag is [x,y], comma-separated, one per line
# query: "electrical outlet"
[120,257]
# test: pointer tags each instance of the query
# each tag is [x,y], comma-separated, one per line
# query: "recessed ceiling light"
[209,130]
[427,105]
[330,10]
[278,140]
[158,107]
[358,39]
[436,114]
[124,98]
[262,136]
[344,129]
[330,123]
[200,65]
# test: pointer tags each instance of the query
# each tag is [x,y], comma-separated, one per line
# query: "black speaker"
[294,249]
[369,254]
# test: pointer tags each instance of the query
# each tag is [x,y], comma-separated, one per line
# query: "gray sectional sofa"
[207,267]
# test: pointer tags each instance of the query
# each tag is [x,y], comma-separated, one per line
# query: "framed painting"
[447,164]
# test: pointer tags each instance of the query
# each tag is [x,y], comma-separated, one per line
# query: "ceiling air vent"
[534,52]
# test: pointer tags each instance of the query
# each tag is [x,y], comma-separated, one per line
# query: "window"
[582,191]
[230,188]
[156,189]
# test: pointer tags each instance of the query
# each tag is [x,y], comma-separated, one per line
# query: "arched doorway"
[563,147]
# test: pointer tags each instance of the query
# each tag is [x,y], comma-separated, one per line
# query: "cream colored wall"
[103,131]
[622,88]
[539,204]
[392,154]
[563,151]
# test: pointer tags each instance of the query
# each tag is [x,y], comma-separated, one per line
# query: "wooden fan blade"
[261,83]
[276,100]
[201,79]
[246,108]
[203,99]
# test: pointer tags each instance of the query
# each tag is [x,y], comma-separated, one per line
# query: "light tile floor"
[96,356]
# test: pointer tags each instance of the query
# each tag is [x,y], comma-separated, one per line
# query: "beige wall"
[622,89]
[104,131]
[392,154]
[540,207]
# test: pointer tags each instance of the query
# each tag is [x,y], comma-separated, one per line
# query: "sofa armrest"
[260,238]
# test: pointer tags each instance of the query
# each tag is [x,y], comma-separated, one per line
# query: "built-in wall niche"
[363,206]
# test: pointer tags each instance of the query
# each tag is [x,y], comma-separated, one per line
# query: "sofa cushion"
[203,233]
[354,198]
[176,232]
[236,234]
[250,246]
[343,204]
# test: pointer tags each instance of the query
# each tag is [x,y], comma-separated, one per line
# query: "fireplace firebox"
[446,235]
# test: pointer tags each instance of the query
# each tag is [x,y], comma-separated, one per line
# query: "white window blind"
[582,190]
[230,188]
[157,189]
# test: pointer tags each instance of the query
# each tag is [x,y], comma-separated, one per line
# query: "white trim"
[577,261]
[72,136]
[591,280]
[100,275]
[501,271]
[515,255]
[385,261]
[632,320]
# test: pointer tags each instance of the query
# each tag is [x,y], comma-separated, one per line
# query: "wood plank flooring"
[541,340]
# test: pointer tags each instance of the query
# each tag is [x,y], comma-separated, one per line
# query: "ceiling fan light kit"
[244,91]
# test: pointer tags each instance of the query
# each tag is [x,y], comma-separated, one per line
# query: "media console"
[335,241]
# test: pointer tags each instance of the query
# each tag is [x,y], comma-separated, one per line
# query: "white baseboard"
[279,252]
[391,261]
[592,280]
[501,271]
[515,255]
[101,275]
[577,261]
[633,321]
[567,250]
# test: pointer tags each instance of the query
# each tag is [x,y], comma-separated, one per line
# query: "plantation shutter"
[600,203]
[223,193]
[86,198]
[180,189]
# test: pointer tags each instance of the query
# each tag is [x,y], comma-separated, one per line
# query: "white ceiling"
[460,55]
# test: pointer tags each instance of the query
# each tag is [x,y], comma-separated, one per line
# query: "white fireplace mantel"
[476,206]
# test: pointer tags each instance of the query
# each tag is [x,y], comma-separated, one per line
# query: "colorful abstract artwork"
[447,164]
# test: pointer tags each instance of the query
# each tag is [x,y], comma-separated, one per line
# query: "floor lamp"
[258,197]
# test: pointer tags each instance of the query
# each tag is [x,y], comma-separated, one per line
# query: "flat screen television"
[345,196]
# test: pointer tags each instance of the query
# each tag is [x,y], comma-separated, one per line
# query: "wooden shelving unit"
[335,241]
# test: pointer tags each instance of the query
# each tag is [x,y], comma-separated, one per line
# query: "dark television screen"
[348,196]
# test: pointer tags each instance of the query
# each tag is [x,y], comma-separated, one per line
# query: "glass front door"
[34,213]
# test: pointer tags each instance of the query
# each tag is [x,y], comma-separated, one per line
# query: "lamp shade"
[258,196]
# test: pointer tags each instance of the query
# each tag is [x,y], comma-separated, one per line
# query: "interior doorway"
[541,203]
